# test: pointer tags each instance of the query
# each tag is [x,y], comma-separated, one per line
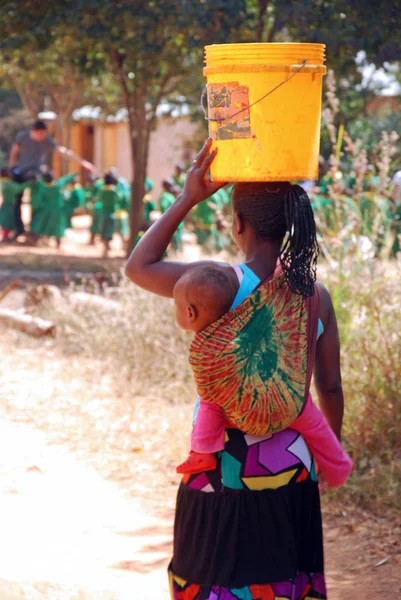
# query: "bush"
[367,304]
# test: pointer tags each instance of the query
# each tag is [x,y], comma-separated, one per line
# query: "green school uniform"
[148,207]
[97,186]
[110,201]
[36,202]
[165,201]
[180,180]
[121,224]
[9,191]
[50,220]
[96,207]
[205,221]
[76,200]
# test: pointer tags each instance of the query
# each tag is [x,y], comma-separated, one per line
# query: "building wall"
[108,145]
[123,151]
[168,146]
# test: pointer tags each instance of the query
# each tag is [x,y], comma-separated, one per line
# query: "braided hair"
[282,212]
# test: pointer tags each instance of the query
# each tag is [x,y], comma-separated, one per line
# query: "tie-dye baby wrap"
[253,361]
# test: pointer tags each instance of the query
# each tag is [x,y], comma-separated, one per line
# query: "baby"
[203,295]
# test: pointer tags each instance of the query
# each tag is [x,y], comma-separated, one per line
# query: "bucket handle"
[202,100]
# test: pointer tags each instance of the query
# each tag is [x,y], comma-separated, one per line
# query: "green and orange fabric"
[254,362]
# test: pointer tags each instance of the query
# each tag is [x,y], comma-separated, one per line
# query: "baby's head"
[202,295]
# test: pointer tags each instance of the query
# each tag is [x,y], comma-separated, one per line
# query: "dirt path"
[70,533]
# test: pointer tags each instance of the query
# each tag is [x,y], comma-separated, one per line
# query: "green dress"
[76,200]
[96,207]
[205,221]
[148,207]
[165,201]
[110,201]
[50,219]
[9,191]
[121,224]
[180,180]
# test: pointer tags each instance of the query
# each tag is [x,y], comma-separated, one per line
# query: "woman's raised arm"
[146,267]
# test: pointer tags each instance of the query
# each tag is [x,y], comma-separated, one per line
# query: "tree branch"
[273,30]
[261,21]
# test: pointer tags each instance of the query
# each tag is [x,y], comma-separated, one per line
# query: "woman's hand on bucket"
[197,185]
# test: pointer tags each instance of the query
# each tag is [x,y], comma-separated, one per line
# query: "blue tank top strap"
[249,282]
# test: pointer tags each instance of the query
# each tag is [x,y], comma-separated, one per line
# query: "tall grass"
[367,299]
[135,343]
[368,312]
[358,223]
[134,335]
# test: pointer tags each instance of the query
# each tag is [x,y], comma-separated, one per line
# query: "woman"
[251,529]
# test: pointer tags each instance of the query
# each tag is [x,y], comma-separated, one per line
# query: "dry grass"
[116,384]
[367,304]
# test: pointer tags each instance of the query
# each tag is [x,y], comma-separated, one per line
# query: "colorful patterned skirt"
[251,529]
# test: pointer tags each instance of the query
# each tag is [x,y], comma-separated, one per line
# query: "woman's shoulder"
[326,308]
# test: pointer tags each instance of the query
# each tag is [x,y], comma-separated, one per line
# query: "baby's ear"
[238,223]
[192,313]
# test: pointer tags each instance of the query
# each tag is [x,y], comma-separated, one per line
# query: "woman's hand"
[197,186]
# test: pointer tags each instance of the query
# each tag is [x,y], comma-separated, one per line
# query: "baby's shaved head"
[209,289]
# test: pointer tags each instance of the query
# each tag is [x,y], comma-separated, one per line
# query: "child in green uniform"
[121,226]
[110,201]
[9,191]
[51,219]
[148,205]
[96,209]
[179,176]
[36,201]
[75,200]
[205,221]
[166,199]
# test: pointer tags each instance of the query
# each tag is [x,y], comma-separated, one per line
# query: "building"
[105,143]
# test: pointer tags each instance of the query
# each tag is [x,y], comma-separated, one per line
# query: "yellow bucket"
[264,105]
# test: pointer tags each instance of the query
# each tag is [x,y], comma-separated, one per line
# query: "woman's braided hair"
[283,212]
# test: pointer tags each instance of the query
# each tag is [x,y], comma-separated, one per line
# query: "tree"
[151,47]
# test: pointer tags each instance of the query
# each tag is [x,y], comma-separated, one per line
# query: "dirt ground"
[82,517]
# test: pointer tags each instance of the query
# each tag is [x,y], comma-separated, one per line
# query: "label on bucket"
[228,111]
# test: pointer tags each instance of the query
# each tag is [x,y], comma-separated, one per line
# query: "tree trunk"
[261,20]
[64,125]
[140,134]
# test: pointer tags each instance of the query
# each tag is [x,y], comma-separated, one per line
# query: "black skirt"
[253,521]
